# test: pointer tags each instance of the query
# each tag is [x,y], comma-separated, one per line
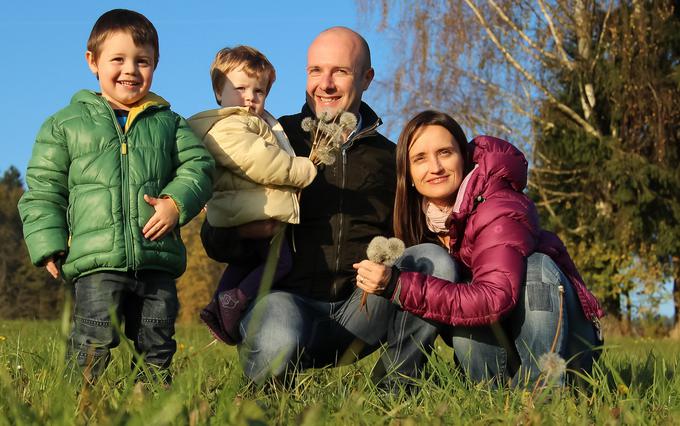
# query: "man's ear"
[92,63]
[367,78]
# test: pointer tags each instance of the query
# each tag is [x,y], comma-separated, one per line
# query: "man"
[312,318]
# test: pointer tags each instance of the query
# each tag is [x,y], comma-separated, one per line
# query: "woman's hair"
[409,220]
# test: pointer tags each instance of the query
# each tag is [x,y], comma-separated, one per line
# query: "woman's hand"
[372,277]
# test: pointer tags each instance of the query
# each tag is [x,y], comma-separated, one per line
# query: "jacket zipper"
[346,146]
[125,192]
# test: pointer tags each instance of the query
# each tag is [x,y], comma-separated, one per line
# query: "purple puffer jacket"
[493,229]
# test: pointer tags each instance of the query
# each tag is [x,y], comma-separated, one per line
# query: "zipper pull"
[123,148]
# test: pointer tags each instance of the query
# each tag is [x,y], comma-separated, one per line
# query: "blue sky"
[44,54]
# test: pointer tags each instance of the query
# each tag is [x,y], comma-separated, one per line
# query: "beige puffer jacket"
[257,173]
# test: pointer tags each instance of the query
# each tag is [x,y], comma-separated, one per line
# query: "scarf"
[435,217]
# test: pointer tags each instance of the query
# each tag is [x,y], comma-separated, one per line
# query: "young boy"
[258,177]
[111,177]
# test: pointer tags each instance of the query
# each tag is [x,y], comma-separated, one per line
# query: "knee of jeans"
[543,282]
[265,354]
[270,344]
[541,268]
[155,335]
[93,333]
[430,259]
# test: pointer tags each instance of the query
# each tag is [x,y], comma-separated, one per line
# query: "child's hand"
[163,221]
[51,266]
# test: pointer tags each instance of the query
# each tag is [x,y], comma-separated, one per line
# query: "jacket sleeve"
[191,187]
[236,144]
[498,264]
[43,207]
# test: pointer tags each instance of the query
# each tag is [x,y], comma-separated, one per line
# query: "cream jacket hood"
[257,173]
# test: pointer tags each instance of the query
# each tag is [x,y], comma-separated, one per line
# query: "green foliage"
[25,291]
[634,383]
[614,196]
[197,285]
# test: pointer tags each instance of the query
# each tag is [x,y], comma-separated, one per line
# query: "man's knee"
[272,336]
[269,353]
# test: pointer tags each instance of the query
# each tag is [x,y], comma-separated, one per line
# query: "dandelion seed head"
[552,365]
[377,249]
[395,248]
[338,139]
[326,157]
[348,120]
[307,124]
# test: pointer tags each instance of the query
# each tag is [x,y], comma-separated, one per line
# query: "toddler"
[257,177]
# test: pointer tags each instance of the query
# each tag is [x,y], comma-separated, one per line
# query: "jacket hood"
[497,164]
[96,99]
[202,122]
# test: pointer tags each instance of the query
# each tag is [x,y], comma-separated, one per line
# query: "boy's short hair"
[253,62]
[134,23]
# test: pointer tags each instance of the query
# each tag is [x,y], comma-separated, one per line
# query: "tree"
[618,192]
[25,291]
[197,285]
[588,88]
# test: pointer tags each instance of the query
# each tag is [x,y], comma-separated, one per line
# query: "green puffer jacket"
[87,179]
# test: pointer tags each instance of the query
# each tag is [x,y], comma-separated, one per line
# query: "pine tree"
[25,291]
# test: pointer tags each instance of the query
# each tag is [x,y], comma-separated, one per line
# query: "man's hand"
[258,230]
[372,277]
[163,221]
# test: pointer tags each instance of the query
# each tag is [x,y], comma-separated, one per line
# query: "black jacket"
[347,205]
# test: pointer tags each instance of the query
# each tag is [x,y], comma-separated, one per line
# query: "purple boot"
[232,304]
[210,315]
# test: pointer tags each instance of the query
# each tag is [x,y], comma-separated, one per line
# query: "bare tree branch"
[556,36]
[515,64]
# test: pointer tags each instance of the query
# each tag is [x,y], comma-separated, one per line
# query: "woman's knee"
[430,259]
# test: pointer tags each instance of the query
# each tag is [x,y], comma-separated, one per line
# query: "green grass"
[634,383]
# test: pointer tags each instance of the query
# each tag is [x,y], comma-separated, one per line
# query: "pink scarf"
[435,217]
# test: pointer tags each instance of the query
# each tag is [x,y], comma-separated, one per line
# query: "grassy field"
[634,383]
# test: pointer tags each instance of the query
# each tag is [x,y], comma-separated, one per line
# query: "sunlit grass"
[634,383]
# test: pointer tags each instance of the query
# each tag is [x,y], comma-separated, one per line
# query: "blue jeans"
[510,349]
[147,303]
[284,333]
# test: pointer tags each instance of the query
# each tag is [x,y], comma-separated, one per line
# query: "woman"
[477,258]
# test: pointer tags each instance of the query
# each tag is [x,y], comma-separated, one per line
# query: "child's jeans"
[239,284]
[146,301]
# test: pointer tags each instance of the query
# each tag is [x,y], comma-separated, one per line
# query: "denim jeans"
[284,332]
[146,301]
[510,349]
